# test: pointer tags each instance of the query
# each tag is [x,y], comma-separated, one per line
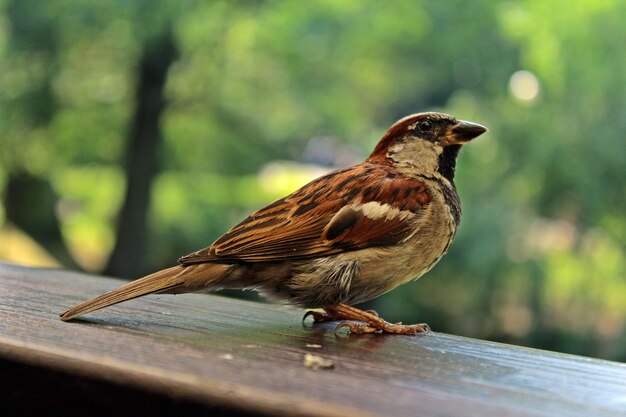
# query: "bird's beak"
[462,132]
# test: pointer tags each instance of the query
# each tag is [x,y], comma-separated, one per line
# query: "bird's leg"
[374,323]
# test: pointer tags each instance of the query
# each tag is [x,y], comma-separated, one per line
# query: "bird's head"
[426,143]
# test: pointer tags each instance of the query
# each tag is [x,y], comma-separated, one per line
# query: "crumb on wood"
[313,345]
[226,356]
[317,362]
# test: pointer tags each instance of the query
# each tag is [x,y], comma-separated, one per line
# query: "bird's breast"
[384,268]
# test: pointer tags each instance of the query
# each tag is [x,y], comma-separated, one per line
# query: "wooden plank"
[248,357]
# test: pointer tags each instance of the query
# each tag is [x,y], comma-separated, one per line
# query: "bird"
[342,239]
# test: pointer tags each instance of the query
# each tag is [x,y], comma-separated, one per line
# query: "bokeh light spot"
[524,86]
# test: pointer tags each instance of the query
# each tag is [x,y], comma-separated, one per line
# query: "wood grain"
[248,357]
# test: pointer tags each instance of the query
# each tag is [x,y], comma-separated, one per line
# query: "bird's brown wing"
[366,205]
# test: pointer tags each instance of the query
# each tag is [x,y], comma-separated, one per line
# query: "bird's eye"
[425,126]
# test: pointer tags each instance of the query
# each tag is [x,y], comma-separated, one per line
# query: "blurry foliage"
[539,258]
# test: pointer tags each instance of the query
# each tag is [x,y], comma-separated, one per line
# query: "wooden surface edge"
[177,386]
[210,355]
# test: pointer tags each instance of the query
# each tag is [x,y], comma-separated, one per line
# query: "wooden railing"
[209,355]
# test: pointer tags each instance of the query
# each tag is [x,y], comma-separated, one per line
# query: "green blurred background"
[133,132]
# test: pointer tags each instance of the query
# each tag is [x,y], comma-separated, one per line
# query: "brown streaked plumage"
[325,217]
[344,238]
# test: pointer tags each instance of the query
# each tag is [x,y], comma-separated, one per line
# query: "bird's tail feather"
[177,279]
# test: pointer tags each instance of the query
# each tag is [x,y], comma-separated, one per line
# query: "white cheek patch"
[375,210]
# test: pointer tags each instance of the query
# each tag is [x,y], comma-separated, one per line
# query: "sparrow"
[342,239]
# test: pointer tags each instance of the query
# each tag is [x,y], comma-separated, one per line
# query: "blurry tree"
[142,154]
[29,199]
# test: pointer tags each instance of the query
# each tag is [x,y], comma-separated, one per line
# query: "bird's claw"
[318,316]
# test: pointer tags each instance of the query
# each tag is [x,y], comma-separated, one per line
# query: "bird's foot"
[322,316]
[384,328]
[370,321]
